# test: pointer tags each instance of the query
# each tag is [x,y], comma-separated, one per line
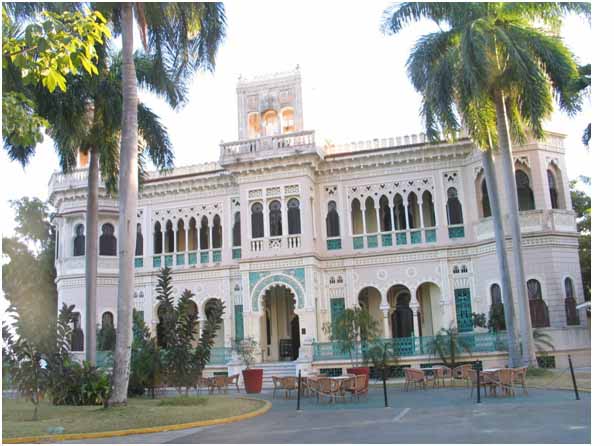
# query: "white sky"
[354,85]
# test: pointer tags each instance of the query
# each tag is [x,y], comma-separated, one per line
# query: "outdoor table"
[430,371]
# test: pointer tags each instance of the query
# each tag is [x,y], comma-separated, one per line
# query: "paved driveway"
[431,416]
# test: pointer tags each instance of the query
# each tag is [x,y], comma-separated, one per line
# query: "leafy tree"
[164,295]
[145,367]
[105,338]
[581,203]
[493,69]
[496,317]
[350,328]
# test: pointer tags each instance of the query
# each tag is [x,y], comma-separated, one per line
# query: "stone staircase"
[270,369]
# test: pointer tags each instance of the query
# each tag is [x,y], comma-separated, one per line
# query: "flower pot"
[359,371]
[252,380]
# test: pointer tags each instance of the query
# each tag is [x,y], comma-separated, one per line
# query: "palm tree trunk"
[128,195]
[504,270]
[91,257]
[505,146]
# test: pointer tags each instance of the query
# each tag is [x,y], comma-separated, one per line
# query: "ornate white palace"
[287,233]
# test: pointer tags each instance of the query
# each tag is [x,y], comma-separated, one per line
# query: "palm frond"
[156,142]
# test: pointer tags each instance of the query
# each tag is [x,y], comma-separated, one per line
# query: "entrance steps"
[270,369]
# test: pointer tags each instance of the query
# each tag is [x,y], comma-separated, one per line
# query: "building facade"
[288,233]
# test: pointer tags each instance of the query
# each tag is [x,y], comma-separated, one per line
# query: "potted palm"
[246,351]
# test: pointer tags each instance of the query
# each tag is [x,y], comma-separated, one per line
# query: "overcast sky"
[354,85]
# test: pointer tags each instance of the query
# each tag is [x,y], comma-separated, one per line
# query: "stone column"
[415,307]
[386,311]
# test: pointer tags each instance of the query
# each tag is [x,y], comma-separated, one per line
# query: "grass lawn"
[140,412]
[559,379]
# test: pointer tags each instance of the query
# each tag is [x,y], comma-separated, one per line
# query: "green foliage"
[479,320]
[351,327]
[184,400]
[246,349]
[105,338]
[59,45]
[483,52]
[542,340]
[20,123]
[581,202]
[166,315]
[496,317]
[145,367]
[381,355]
[447,345]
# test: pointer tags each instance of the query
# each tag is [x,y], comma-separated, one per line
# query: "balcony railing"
[183,259]
[558,220]
[275,243]
[411,346]
[394,238]
[293,140]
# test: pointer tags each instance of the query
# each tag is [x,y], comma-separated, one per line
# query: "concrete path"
[430,416]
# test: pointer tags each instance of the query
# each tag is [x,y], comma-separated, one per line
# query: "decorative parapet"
[533,221]
[267,146]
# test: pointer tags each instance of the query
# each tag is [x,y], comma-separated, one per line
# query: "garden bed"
[139,413]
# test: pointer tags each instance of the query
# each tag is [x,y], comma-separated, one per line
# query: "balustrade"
[456,231]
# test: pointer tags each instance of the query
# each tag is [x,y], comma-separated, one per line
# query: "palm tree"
[492,65]
[184,37]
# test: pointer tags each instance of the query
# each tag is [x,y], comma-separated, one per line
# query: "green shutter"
[337,307]
[464,320]
[239,322]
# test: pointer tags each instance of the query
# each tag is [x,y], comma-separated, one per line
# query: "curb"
[144,430]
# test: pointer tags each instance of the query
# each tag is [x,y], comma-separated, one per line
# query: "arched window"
[76,336]
[275,218]
[181,241]
[554,197]
[236,230]
[573,317]
[107,332]
[332,220]
[204,233]
[485,201]
[294,216]
[287,120]
[454,208]
[271,123]
[157,238]
[526,201]
[385,220]
[413,209]
[495,294]
[138,250]
[217,232]
[169,238]
[257,221]
[357,227]
[192,235]
[402,318]
[538,308]
[370,215]
[108,242]
[253,125]
[496,317]
[79,241]
[428,210]
[399,213]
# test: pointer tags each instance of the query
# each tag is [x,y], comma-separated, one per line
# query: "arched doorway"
[401,315]
[371,299]
[429,317]
[280,326]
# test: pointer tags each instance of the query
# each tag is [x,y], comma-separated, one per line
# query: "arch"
[272,280]
[332,220]
[454,209]
[275,220]
[169,237]
[279,323]
[157,238]
[483,199]
[138,249]
[216,232]
[370,216]
[398,213]
[413,210]
[428,295]
[526,199]
[402,316]
[204,233]
[271,123]
[287,120]
[78,244]
[107,332]
[357,226]
[496,314]
[192,235]
[257,221]
[428,210]
[571,312]
[108,242]
[385,217]
[236,230]
[538,308]
[76,335]
[555,187]
[253,125]
[207,308]
[294,216]
[181,241]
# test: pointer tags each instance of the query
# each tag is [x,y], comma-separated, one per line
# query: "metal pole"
[298,398]
[573,378]
[477,371]
[385,389]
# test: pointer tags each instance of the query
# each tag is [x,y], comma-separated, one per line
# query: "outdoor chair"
[203,382]
[487,381]
[288,384]
[462,372]
[415,377]
[506,381]
[348,385]
[276,384]
[361,386]
[446,374]
[328,388]
[219,383]
[520,375]
[233,380]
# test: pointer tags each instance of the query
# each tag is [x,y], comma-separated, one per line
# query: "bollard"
[573,378]
[385,389]
[478,367]
[298,397]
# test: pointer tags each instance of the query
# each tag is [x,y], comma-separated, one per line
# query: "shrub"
[447,345]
